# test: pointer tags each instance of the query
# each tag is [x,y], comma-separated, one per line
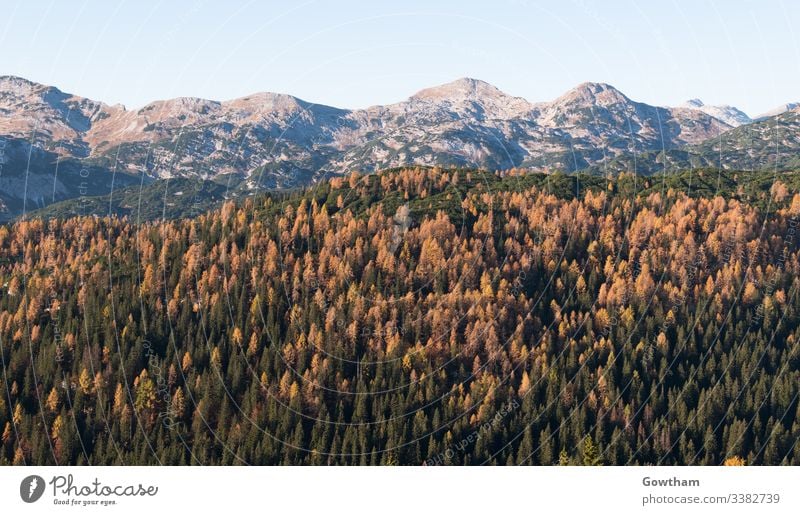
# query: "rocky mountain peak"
[730,115]
[13,84]
[595,93]
[467,97]
[693,103]
[265,101]
[790,106]
[462,89]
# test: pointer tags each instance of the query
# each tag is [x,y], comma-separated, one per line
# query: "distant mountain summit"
[791,106]
[472,93]
[269,140]
[728,114]
[461,89]
[591,93]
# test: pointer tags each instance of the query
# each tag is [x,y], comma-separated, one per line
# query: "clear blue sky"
[355,54]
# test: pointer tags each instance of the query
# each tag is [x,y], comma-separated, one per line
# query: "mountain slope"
[32,177]
[268,140]
[771,144]
[401,313]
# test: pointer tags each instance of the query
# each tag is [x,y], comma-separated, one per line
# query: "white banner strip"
[389,490]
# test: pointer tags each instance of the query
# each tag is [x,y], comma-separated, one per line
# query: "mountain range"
[56,145]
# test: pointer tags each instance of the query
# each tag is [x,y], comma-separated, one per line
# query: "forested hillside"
[414,316]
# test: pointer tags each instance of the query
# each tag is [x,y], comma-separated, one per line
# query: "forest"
[418,316]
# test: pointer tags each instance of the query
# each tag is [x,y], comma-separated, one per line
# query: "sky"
[359,53]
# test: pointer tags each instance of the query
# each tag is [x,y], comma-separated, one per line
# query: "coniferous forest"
[415,316]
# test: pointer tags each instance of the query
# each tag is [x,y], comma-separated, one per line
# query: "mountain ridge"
[273,140]
[437,91]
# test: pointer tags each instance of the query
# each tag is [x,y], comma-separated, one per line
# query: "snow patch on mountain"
[730,115]
[783,108]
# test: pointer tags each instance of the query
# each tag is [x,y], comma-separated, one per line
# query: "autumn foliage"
[320,328]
